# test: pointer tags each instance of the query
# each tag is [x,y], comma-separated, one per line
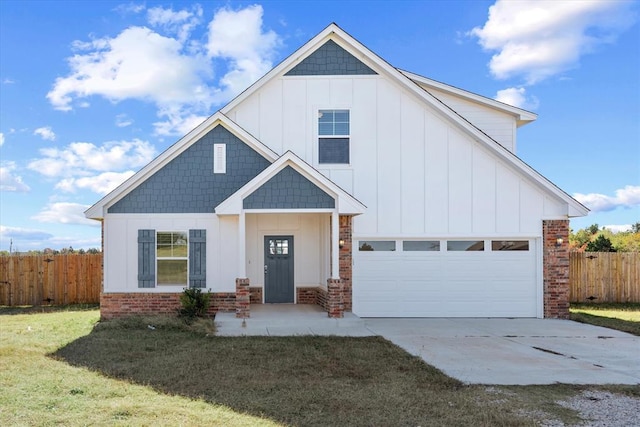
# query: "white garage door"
[445,278]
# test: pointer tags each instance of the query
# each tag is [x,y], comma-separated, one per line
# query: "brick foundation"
[555,268]
[306,295]
[345,256]
[114,305]
[255,295]
[243,306]
[312,295]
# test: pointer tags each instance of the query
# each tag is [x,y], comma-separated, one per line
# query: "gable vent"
[219,158]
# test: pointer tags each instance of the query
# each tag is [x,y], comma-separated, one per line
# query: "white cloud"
[83,165]
[9,181]
[80,158]
[177,121]
[122,121]
[8,81]
[180,23]
[102,183]
[626,197]
[618,228]
[517,96]
[130,8]
[45,133]
[538,39]
[7,233]
[65,213]
[138,63]
[1,139]
[238,36]
[168,66]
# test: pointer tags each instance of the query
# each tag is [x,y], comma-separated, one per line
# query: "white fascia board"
[98,210]
[345,203]
[522,116]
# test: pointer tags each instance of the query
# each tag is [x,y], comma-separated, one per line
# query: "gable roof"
[346,204]
[98,210]
[379,65]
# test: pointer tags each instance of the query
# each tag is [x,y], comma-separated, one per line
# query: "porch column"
[335,245]
[242,245]
[555,268]
[243,307]
[335,301]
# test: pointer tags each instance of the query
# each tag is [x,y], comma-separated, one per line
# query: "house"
[339,180]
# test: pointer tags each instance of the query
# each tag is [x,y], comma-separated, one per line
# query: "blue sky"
[91,91]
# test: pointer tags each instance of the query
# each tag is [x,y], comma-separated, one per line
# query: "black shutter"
[146,258]
[197,258]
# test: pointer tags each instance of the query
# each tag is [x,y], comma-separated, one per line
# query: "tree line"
[48,251]
[596,239]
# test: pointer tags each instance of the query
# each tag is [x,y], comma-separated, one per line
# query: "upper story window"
[333,136]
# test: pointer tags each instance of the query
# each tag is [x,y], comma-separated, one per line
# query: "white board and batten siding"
[498,125]
[121,249]
[415,172]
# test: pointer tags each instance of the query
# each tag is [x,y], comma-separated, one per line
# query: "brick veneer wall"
[312,295]
[255,295]
[346,264]
[306,295]
[114,305]
[555,268]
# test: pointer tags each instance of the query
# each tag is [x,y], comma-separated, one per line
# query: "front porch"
[289,319]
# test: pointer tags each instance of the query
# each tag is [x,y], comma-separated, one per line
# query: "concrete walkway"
[475,351]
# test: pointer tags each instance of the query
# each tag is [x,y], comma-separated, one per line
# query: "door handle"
[265,269]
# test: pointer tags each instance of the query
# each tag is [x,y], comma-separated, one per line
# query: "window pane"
[164,239]
[377,245]
[341,116]
[325,116]
[334,150]
[164,251]
[465,245]
[421,245]
[341,129]
[180,251]
[172,272]
[509,245]
[325,129]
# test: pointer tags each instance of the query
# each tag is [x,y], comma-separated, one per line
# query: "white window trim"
[316,131]
[164,285]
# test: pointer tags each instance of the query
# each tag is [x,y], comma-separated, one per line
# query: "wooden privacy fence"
[605,276]
[50,279]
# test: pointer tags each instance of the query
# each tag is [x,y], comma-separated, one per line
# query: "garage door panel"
[445,284]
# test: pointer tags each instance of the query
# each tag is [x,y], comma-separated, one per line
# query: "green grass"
[65,368]
[623,317]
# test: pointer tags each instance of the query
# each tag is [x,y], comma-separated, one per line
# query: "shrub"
[195,303]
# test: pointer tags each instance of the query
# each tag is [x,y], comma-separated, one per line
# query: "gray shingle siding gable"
[187,184]
[288,189]
[330,60]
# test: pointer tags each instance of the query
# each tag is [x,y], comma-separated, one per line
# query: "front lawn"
[66,368]
[623,317]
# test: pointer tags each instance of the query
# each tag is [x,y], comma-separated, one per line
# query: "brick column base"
[243,299]
[555,269]
[335,298]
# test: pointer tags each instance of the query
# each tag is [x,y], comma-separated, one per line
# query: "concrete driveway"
[475,351]
[517,351]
